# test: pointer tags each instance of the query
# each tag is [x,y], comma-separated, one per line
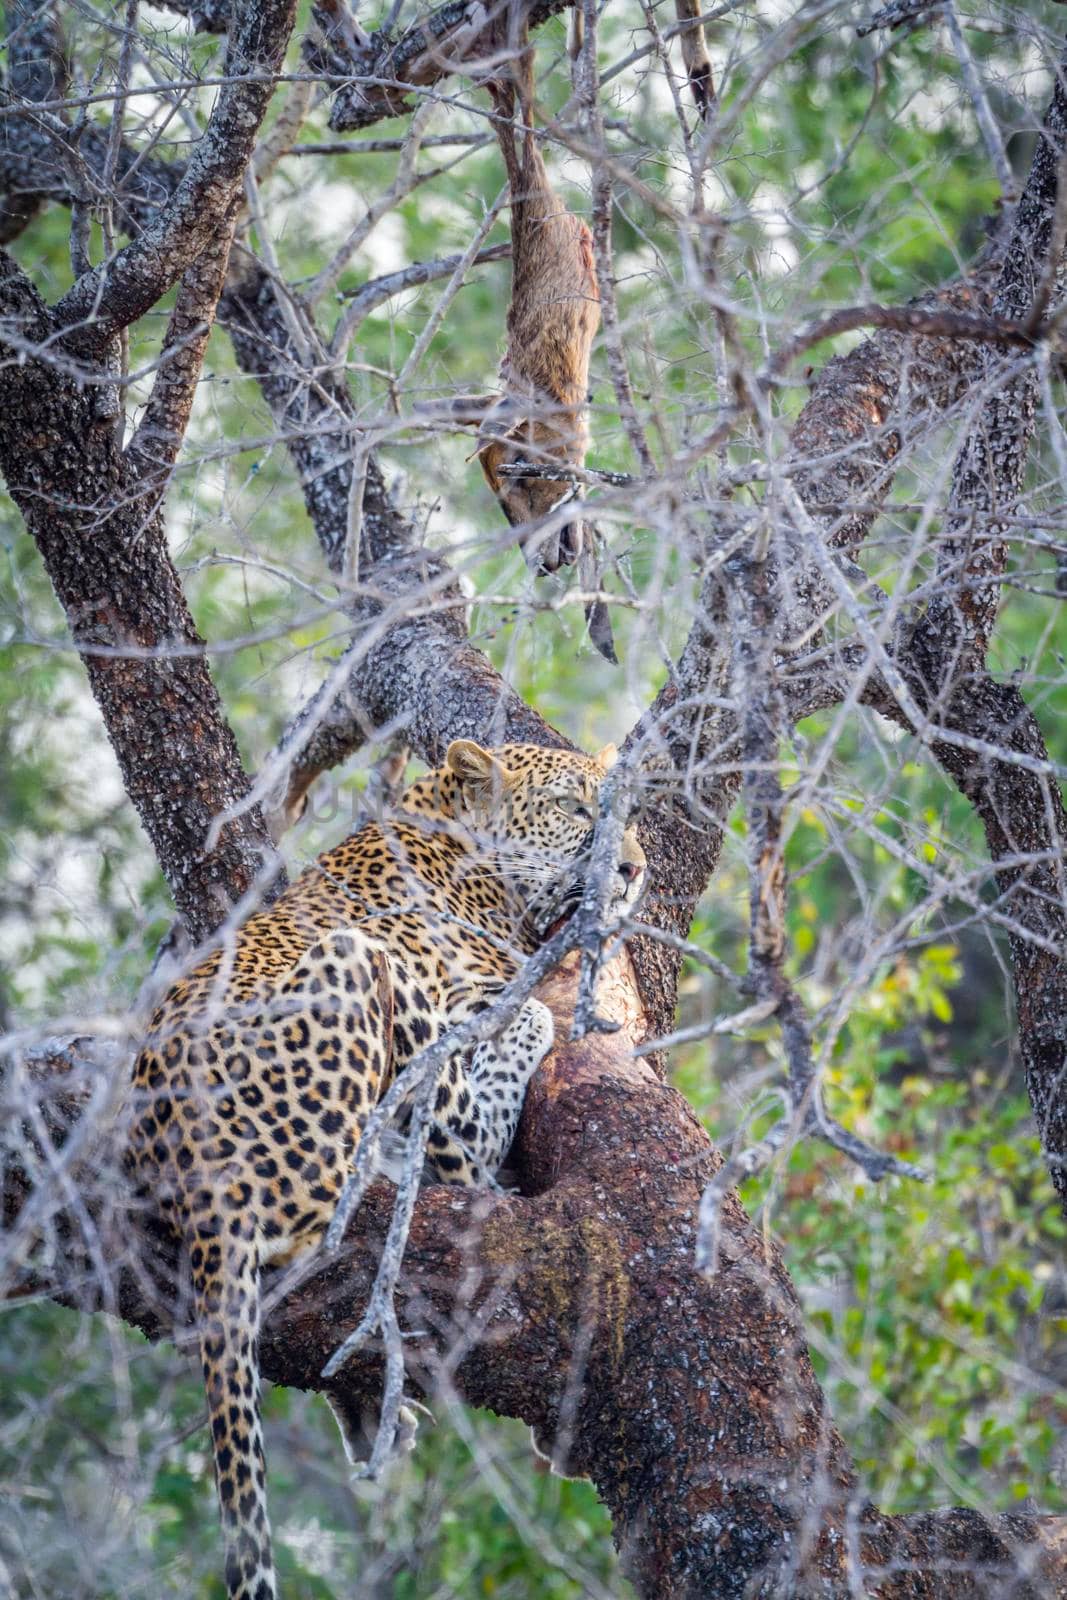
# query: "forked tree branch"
[206,200]
[384,72]
[943,653]
[36,71]
[104,545]
[160,434]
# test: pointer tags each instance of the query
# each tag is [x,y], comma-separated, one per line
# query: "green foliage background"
[936,1312]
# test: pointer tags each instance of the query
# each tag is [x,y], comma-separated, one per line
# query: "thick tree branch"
[843,450]
[36,71]
[937,660]
[989,471]
[692,1402]
[865,408]
[35,161]
[105,549]
[154,448]
[205,202]
[943,656]
[277,343]
[576,1306]
[206,16]
[36,65]
[1022,814]
[416,669]
[423,676]
[385,71]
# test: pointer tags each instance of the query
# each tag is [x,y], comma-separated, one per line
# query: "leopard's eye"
[572,806]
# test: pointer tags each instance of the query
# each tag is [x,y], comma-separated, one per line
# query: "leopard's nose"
[628,871]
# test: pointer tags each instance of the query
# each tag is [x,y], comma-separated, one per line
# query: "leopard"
[262,1063]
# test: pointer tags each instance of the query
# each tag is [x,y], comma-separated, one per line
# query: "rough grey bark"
[207,16]
[33,170]
[35,72]
[119,291]
[989,471]
[943,651]
[410,668]
[102,538]
[94,510]
[1022,814]
[314,414]
[382,70]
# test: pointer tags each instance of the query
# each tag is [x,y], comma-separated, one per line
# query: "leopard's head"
[533,812]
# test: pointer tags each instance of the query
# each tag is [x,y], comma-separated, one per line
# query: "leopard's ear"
[477,769]
[606,758]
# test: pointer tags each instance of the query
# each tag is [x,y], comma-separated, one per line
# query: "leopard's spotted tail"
[225,1274]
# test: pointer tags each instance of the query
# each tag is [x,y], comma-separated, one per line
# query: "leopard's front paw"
[536,1034]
